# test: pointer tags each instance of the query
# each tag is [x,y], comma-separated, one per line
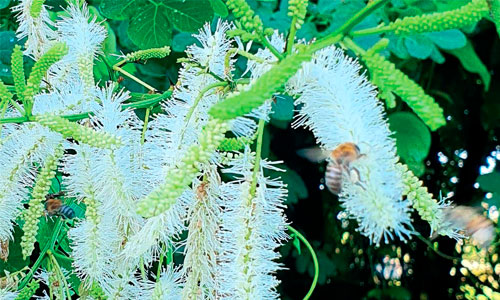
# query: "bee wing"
[475,225]
[314,154]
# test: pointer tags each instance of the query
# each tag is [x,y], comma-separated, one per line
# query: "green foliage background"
[458,68]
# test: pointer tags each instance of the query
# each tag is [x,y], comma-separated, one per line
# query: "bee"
[4,249]
[55,207]
[478,227]
[339,164]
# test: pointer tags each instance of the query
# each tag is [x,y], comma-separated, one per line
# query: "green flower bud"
[244,13]
[262,90]
[36,8]
[179,177]
[235,144]
[28,291]
[40,68]
[18,71]
[80,133]
[461,17]
[298,9]
[5,95]
[35,210]
[388,79]
[422,201]
[147,54]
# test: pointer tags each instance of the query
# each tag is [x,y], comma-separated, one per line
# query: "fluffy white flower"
[37,29]
[339,105]
[5,294]
[252,229]
[29,144]
[202,246]
[168,287]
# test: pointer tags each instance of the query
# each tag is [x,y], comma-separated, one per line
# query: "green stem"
[246,54]
[353,46]
[429,244]
[369,31]
[160,263]
[40,258]
[360,16]
[19,109]
[196,101]
[76,117]
[60,273]
[143,271]
[314,258]
[258,152]
[271,48]
[291,36]
[145,127]
[118,69]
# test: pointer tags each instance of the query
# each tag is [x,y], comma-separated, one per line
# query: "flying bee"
[55,207]
[473,223]
[339,164]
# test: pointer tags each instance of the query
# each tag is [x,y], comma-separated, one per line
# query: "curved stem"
[429,244]
[118,69]
[246,54]
[196,101]
[40,258]
[314,258]
[271,48]
[145,127]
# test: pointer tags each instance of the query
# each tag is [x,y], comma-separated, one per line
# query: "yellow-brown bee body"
[339,165]
[474,224]
[55,207]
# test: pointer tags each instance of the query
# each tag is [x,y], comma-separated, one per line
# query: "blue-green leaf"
[413,139]
[472,63]
[448,39]
[150,28]
[419,46]
[219,8]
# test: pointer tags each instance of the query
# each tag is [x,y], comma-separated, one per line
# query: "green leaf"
[413,139]
[472,63]
[150,28]
[448,39]
[282,108]
[4,3]
[490,182]
[219,8]
[188,15]
[182,40]
[121,10]
[419,46]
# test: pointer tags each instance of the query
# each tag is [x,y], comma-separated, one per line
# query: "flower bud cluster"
[245,14]
[35,209]
[54,54]
[18,71]
[298,9]
[80,133]
[234,144]
[179,177]
[422,201]
[147,54]
[461,17]
[36,8]
[28,291]
[388,78]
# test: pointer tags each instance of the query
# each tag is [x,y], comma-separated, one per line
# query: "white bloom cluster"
[253,226]
[339,105]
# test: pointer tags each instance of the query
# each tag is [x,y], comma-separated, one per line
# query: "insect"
[55,207]
[4,249]
[474,224]
[339,163]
